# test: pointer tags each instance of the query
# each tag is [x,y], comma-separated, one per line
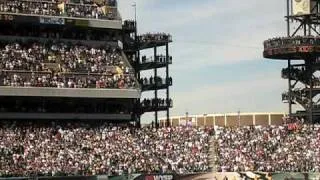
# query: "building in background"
[228,119]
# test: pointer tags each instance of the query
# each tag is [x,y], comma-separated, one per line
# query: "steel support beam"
[167,79]
[156,90]
[289,61]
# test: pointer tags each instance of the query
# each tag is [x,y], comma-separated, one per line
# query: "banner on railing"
[251,176]
[52,20]
[198,176]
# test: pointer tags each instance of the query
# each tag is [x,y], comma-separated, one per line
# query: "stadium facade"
[68,60]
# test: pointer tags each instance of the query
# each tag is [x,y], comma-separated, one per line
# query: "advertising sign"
[52,20]
[6,17]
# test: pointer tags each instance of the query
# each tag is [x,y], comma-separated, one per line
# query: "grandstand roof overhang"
[64,116]
[70,92]
[61,20]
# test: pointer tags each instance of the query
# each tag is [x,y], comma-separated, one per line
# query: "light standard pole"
[238,118]
[136,58]
[134,5]
[187,118]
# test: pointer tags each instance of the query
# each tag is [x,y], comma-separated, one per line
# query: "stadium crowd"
[151,37]
[156,102]
[98,9]
[57,64]
[160,59]
[155,80]
[55,148]
[291,41]
[290,148]
[78,148]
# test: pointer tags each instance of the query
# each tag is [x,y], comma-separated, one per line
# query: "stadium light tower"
[301,43]
[134,5]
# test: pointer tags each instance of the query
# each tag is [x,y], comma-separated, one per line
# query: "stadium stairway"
[127,62]
[213,154]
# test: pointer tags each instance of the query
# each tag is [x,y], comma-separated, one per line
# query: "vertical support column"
[310,73]
[289,61]
[136,40]
[317,11]
[138,64]
[138,106]
[289,88]
[308,63]
[309,29]
[167,79]
[304,29]
[156,90]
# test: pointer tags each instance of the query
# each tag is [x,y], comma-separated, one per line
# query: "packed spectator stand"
[79,148]
[291,41]
[61,57]
[57,64]
[289,148]
[97,9]
[55,148]
[154,37]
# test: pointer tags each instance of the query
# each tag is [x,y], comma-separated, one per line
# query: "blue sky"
[217,52]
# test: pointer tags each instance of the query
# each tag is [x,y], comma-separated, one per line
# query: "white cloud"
[215,32]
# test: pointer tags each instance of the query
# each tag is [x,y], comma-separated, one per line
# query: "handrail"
[62,73]
[24,71]
[146,59]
